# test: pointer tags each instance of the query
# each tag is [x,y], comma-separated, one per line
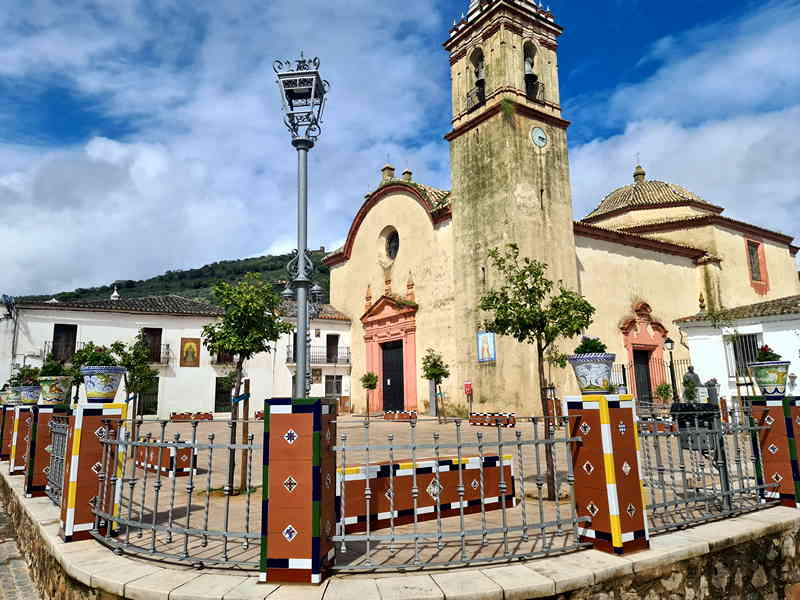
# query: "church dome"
[643,193]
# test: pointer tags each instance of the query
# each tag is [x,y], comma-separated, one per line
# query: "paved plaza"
[15,581]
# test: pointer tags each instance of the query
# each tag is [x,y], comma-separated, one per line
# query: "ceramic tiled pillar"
[298,512]
[37,458]
[20,437]
[83,465]
[778,444]
[6,430]
[608,484]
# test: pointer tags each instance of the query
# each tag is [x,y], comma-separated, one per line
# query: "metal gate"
[59,428]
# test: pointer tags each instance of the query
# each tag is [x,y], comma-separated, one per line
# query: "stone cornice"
[491,111]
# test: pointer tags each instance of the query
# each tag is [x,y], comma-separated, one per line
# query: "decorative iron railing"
[321,355]
[695,468]
[420,493]
[475,98]
[59,430]
[183,491]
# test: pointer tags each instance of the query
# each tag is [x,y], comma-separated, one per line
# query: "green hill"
[197,283]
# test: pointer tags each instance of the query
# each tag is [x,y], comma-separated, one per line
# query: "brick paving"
[15,581]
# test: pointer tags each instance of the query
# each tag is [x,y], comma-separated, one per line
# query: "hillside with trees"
[197,283]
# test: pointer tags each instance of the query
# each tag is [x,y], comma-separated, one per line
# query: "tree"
[369,381]
[135,357]
[251,323]
[527,308]
[436,370]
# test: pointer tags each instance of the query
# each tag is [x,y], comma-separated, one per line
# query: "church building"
[415,262]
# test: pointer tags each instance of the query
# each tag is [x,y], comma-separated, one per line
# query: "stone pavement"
[15,581]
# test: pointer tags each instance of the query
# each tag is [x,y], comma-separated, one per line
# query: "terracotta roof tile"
[781,306]
[168,305]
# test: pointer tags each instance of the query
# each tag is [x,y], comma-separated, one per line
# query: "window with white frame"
[333,385]
[741,350]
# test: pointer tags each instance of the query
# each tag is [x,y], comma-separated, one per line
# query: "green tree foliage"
[664,392]
[527,307]
[251,322]
[590,345]
[135,357]
[24,375]
[369,381]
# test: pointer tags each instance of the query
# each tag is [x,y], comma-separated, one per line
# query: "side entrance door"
[393,376]
[641,368]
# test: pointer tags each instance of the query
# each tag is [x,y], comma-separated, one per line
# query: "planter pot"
[593,372]
[13,397]
[101,383]
[5,397]
[55,389]
[770,377]
[29,394]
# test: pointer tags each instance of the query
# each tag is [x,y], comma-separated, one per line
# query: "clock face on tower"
[539,137]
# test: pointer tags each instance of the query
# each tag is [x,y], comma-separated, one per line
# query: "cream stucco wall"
[424,257]
[614,277]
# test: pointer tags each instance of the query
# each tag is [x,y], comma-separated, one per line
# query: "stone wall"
[765,568]
[48,575]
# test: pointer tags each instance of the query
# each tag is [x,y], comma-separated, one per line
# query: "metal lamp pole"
[669,344]
[303,94]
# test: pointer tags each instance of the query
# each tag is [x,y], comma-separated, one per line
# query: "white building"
[188,375]
[725,351]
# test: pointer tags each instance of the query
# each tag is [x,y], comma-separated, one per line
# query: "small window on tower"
[753,256]
[532,85]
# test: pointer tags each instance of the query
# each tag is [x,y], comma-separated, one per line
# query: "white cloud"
[720,116]
[209,172]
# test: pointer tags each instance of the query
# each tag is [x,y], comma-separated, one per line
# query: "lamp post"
[670,345]
[303,94]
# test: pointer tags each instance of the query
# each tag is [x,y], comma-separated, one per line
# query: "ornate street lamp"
[303,94]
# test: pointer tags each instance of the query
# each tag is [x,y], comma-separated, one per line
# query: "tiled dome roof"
[644,192]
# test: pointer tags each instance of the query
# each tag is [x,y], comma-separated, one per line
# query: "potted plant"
[25,382]
[56,383]
[664,393]
[100,371]
[369,381]
[592,366]
[769,372]
[5,394]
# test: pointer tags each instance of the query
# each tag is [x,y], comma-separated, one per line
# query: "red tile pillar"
[83,466]
[298,511]
[780,418]
[608,487]
[20,437]
[6,430]
[37,457]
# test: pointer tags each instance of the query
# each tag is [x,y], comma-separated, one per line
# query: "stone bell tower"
[510,172]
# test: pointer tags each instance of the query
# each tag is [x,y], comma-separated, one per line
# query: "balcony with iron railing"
[160,355]
[475,98]
[534,90]
[61,351]
[321,355]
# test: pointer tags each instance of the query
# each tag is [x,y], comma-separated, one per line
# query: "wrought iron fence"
[475,98]
[183,491]
[59,430]
[695,468]
[321,355]
[419,494]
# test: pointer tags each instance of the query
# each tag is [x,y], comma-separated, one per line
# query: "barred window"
[741,350]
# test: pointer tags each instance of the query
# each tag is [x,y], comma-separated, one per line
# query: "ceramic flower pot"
[13,397]
[770,377]
[101,383]
[29,394]
[593,372]
[5,397]
[55,389]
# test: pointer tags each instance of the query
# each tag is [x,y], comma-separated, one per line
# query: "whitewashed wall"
[180,388]
[707,347]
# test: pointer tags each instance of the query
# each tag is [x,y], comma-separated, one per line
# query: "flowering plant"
[767,354]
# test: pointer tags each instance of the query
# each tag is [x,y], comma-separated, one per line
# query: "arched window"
[477,94]
[532,85]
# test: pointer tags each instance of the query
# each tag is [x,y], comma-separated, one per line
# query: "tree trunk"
[234,418]
[549,426]
[243,486]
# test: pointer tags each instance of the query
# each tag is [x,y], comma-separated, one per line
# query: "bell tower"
[510,176]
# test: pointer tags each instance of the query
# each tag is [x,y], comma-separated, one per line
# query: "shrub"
[590,345]
[767,354]
[369,381]
[52,368]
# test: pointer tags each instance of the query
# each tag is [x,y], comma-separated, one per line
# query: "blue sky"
[139,136]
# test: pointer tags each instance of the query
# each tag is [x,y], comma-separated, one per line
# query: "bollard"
[6,430]
[605,463]
[298,510]
[19,438]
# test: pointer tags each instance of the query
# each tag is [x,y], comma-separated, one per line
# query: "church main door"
[393,376]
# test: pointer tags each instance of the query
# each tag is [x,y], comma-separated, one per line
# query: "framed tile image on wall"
[190,352]
[487,351]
